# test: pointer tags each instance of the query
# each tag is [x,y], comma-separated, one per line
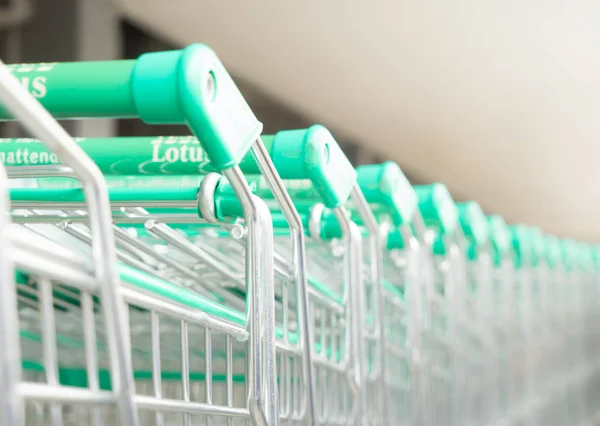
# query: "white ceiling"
[500,100]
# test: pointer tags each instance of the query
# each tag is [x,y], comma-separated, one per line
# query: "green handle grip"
[473,223]
[522,245]
[385,186]
[538,245]
[437,207]
[188,86]
[552,252]
[308,154]
[312,154]
[119,156]
[595,256]
[500,237]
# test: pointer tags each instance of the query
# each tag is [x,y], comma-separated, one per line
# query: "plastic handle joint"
[386,185]
[473,223]
[313,154]
[438,207]
[188,86]
[191,86]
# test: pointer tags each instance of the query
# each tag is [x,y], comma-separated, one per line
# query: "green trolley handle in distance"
[306,154]
[475,227]
[188,86]
[439,212]
[500,238]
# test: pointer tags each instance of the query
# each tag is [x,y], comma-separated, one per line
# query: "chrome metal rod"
[354,277]
[10,356]
[177,406]
[260,308]
[292,217]
[41,124]
[376,271]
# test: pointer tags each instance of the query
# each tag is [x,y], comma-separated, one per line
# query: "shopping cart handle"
[500,238]
[521,237]
[552,252]
[188,86]
[310,154]
[438,208]
[395,240]
[474,225]
[385,185]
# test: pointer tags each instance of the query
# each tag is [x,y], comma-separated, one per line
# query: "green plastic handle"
[552,252]
[386,188]
[437,207]
[538,246]
[474,225]
[188,86]
[570,254]
[595,256]
[584,257]
[522,242]
[311,154]
[181,155]
[500,237]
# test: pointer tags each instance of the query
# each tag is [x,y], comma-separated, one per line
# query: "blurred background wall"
[498,100]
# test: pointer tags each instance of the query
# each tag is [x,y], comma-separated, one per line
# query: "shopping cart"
[321,181]
[446,248]
[402,369]
[229,278]
[163,87]
[478,306]
[502,311]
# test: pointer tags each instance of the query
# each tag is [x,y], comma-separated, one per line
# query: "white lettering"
[33,158]
[44,157]
[183,154]
[156,151]
[172,154]
[179,151]
[196,155]
[38,88]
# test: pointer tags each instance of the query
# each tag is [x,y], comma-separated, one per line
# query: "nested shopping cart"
[188,87]
[478,305]
[446,337]
[502,314]
[229,278]
[393,202]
